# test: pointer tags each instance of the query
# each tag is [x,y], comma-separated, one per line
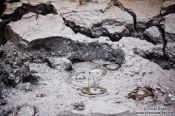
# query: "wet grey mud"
[87,57]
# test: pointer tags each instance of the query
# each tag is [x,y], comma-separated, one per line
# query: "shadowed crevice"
[167,10]
[2,6]
[42,9]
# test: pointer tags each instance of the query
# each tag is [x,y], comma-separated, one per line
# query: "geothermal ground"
[63,58]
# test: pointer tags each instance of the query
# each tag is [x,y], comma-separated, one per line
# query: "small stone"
[59,63]
[79,106]
[41,95]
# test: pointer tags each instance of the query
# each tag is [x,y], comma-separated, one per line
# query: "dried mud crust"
[136,29]
[42,9]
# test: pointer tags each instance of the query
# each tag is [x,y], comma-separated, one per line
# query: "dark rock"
[11,1]
[83,2]
[4,75]
[79,106]
[14,67]
[42,9]
[76,50]
[33,79]
[2,31]
[167,10]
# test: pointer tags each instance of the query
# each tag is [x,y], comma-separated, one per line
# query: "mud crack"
[120,5]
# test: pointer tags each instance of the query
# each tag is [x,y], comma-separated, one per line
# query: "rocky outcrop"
[151,52]
[98,24]
[164,23]
[42,9]
[76,51]
[29,28]
[15,68]
[155,54]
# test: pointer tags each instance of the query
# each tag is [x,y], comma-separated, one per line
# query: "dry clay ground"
[127,83]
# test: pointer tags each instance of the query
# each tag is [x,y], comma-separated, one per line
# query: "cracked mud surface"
[70,58]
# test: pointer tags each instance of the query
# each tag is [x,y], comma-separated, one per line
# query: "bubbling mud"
[93,91]
[141,92]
